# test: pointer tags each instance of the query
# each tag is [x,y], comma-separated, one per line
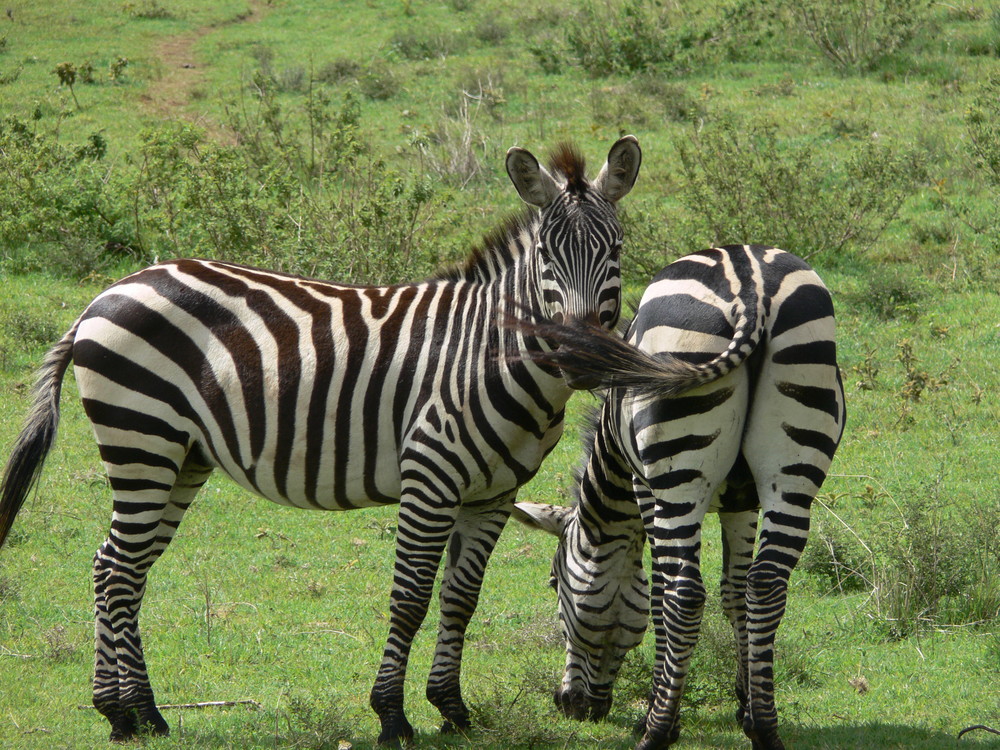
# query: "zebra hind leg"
[739,532]
[141,529]
[469,548]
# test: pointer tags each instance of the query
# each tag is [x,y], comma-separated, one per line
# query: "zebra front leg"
[739,533]
[469,548]
[422,533]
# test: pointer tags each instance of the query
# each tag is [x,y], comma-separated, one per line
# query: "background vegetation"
[363,141]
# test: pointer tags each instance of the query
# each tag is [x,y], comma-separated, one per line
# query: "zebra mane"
[567,160]
[591,418]
[499,249]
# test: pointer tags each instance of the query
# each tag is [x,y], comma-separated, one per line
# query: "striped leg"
[425,524]
[789,463]
[680,595]
[739,532]
[472,541]
[146,516]
[767,590]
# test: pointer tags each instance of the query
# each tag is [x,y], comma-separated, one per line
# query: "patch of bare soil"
[183,76]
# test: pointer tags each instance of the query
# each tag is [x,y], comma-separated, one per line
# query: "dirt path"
[183,74]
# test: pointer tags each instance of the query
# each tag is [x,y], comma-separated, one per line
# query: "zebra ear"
[550,518]
[618,174]
[534,184]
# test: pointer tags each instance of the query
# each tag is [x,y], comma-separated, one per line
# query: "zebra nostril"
[557,318]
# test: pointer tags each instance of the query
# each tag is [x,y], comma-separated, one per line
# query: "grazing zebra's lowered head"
[602,589]
[579,239]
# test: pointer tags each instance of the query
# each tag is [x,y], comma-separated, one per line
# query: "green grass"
[253,601]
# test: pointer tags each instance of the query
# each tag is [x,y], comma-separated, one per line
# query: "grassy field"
[892,637]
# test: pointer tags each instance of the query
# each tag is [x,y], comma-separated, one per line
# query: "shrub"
[835,555]
[491,31]
[892,295]
[341,69]
[61,200]
[856,35]
[743,184]
[379,82]
[420,43]
[940,568]
[620,36]
[626,36]
[294,195]
[982,121]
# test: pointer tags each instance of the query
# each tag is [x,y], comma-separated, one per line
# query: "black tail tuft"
[584,349]
[36,438]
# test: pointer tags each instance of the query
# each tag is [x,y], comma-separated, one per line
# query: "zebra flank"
[328,396]
[725,397]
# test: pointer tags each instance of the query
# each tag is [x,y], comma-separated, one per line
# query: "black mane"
[498,248]
[567,160]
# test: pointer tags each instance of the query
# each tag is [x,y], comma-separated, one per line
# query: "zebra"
[725,398]
[332,396]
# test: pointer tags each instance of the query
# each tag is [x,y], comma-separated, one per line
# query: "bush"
[295,195]
[982,121]
[58,198]
[856,35]
[940,569]
[743,184]
[627,36]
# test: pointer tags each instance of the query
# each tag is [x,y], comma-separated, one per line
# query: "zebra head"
[603,603]
[578,239]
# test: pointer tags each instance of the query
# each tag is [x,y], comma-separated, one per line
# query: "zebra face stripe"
[578,253]
[603,610]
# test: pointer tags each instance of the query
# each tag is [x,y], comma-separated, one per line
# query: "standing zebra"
[334,397]
[695,431]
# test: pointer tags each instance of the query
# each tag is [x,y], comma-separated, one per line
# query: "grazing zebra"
[334,397]
[733,404]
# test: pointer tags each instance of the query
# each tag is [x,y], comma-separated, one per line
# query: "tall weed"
[940,568]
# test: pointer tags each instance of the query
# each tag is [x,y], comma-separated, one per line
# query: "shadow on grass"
[841,737]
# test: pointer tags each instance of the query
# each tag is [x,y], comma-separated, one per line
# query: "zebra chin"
[576,704]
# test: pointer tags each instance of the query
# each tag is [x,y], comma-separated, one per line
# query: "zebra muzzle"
[575,704]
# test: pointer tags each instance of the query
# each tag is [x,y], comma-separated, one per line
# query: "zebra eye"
[553,583]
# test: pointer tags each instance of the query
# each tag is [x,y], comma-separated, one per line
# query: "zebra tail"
[585,349]
[38,434]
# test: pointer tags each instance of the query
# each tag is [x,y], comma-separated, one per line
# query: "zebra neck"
[607,509]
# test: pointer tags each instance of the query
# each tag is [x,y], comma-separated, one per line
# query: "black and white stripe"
[334,397]
[728,400]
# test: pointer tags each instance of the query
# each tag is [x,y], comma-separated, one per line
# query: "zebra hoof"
[766,740]
[456,726]
[395,733]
